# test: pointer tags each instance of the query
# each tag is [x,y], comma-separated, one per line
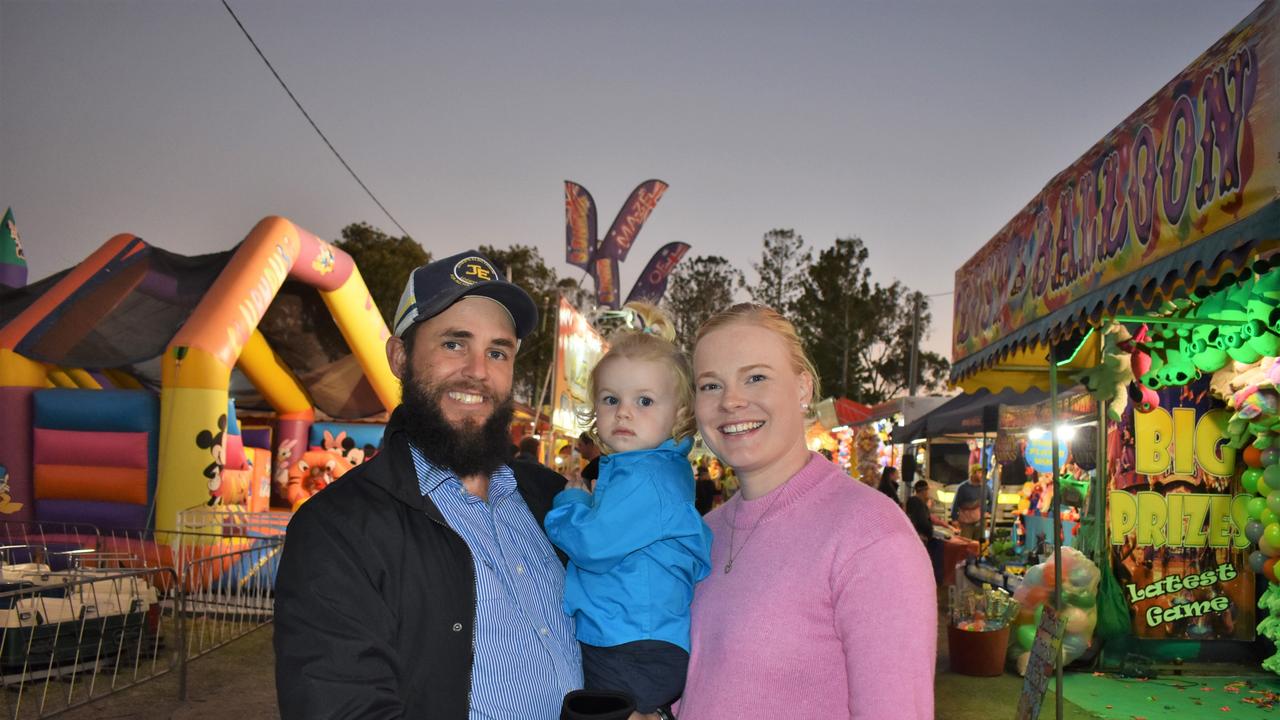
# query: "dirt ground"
[236,681]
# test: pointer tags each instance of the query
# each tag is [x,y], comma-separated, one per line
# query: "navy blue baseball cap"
[433,287]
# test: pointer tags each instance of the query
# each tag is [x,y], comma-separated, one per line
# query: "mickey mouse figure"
[207,440]
[356,454]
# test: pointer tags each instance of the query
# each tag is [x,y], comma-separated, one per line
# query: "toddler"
[636,544]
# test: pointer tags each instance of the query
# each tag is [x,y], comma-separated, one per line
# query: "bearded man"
[420,584]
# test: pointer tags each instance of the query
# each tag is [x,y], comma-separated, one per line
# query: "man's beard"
[467,449]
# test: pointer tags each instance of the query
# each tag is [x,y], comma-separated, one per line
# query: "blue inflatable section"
[257,567]
[361,434]
[103,411]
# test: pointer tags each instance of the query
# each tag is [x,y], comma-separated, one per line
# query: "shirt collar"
[502,482]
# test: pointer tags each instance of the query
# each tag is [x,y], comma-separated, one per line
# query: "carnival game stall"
[881,422]
[962,432]
[835,430]
[1024,457]
[1146,272]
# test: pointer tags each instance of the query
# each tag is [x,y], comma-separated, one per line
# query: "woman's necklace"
[733,530]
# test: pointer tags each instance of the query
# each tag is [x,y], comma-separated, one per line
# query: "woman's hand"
[576,483]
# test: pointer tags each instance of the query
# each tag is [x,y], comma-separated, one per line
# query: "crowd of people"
[446,578]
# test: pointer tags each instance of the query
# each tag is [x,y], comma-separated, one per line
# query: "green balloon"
[1272,534]
[1273,503]
[1263,487]
[1026,635]
[1267,517]
[1271,474]
[1255,507]
[1249,479]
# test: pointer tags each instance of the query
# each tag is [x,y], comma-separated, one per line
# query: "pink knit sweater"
[829,611]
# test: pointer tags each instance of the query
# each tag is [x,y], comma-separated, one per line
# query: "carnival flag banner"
[626,226]
[606,275]
[579,226]
[13,263]
[652,283]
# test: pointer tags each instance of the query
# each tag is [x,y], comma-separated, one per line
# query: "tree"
[581,297]
[698,289]
[859,332]
[890,360]
[832,316]
[526,268]
[384,262]
[781,270]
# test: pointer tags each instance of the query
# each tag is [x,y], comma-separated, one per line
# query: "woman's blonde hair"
[653,341]
[766,317]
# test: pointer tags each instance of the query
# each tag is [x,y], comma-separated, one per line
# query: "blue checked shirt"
[526,655]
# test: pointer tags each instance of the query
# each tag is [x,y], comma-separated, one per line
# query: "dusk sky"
[921,127]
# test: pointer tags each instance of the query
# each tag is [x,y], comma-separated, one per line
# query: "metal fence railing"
[86,612]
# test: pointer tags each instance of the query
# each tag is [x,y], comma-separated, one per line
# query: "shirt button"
[544,632]
[520,568]
[457,627]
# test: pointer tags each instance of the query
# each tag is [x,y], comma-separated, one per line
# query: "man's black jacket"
[375,598]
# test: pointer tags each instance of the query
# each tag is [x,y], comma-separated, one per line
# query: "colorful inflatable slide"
[120,380]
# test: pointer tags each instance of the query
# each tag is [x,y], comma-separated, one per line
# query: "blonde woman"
[820,603]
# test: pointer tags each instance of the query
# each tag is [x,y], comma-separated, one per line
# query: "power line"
[313,122]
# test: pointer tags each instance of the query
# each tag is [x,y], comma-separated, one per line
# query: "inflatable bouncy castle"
[140,382]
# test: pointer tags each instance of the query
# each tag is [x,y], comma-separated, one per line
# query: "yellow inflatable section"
[222,333]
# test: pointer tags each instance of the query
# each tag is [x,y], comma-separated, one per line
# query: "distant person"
[921,490]
[589,451]
[922,520]
[390,602]
[704,490]
[636,545]
[527,450]
[889,484]
[972,499]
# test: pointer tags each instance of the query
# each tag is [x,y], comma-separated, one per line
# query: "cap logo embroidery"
[471,270]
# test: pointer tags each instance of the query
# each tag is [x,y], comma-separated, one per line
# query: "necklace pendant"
[727,567]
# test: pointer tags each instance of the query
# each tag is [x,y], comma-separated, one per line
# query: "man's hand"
[576,483]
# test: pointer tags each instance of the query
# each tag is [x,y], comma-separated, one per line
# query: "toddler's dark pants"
[651,671]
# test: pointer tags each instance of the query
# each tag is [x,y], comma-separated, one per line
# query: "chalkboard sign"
[1045,653]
